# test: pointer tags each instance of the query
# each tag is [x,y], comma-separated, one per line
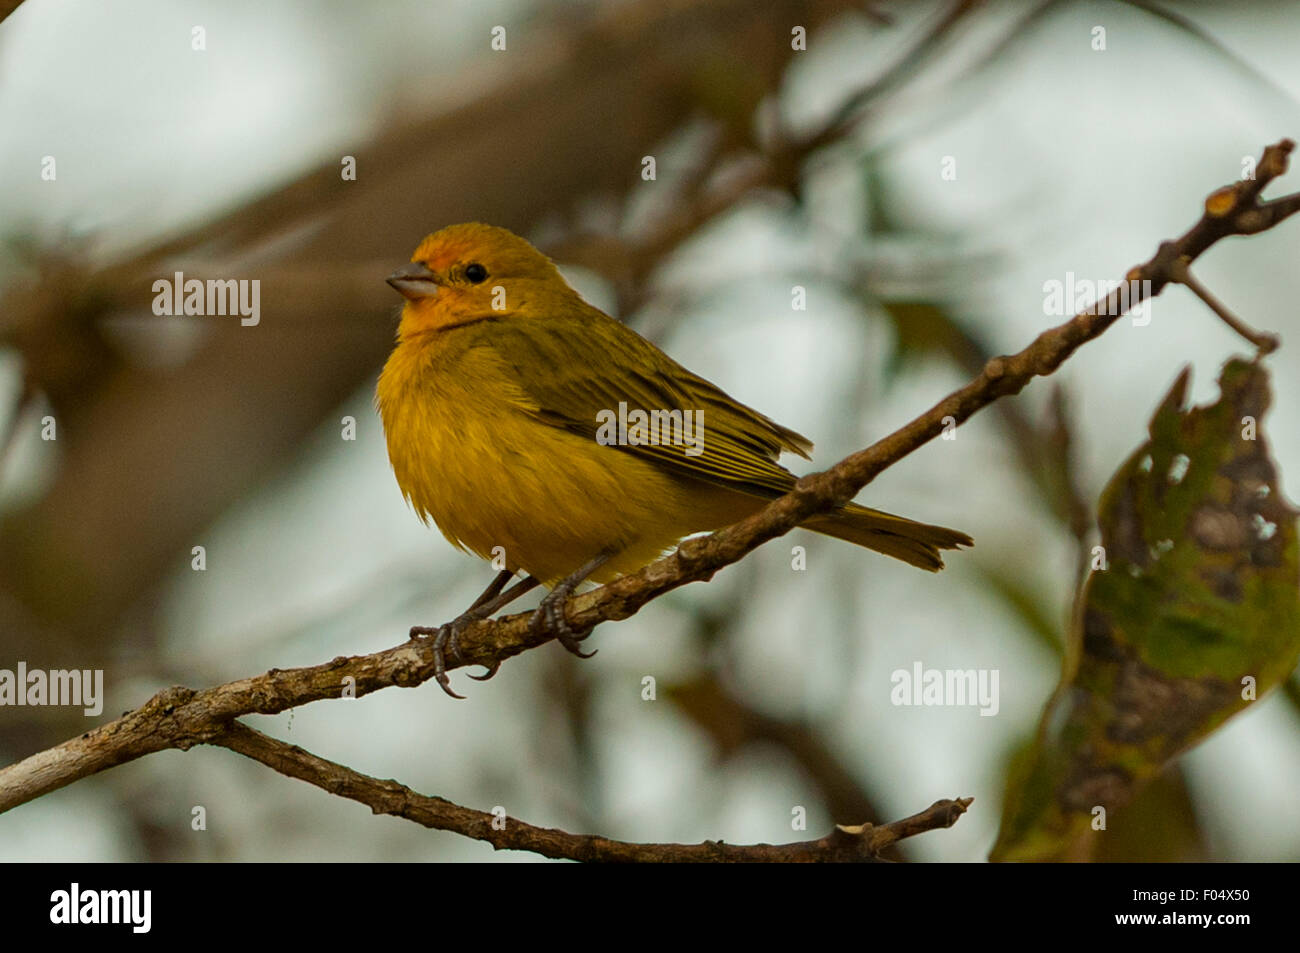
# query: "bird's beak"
[414,281]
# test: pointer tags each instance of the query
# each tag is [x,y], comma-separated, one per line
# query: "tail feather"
[912,542]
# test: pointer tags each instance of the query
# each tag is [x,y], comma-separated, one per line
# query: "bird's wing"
[570,369]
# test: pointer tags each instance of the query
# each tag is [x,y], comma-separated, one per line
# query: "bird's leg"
[550,614]
[482,610]
[447,636]
[493,590]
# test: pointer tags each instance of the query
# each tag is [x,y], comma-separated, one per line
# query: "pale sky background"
[1068,160]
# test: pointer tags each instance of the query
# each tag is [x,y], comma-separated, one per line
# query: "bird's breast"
[499,482]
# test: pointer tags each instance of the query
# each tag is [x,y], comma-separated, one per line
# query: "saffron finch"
[525,423]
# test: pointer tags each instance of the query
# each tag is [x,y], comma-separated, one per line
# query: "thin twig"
[1266,343]
[860,843]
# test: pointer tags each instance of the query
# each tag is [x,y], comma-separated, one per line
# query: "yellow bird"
[533,428]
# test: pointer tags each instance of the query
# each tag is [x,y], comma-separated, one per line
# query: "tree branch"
[858,843]
[181,717]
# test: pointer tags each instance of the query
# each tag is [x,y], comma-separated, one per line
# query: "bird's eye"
[475,272]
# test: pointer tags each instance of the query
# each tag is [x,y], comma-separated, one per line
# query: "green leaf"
[1199,601]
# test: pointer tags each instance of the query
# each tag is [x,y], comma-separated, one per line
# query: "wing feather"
[568,371]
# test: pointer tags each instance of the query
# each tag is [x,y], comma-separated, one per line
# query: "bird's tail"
[912,542]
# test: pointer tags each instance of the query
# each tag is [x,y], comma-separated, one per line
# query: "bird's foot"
[549,618]
[446,640]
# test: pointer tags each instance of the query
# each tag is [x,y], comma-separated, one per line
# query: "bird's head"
[473,271]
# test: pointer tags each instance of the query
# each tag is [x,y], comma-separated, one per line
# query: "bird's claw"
[491,670]
[446,639]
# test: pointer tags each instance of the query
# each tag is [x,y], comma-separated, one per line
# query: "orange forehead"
[441,253]
[470,242]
